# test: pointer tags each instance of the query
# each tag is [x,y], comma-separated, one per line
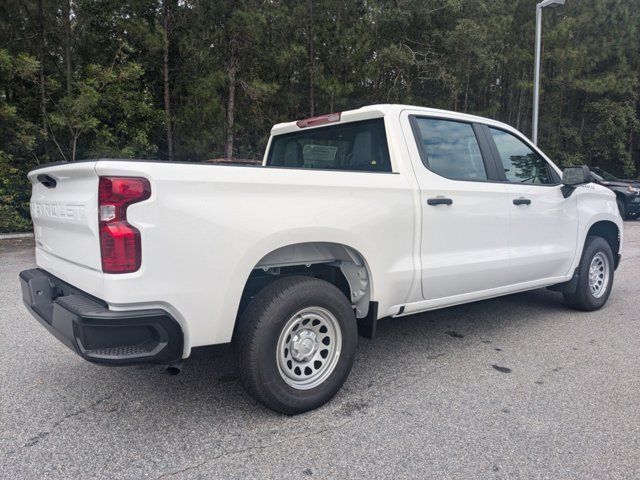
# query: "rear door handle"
[521,201]
[439,201]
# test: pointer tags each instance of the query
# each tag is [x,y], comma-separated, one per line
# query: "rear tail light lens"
[120,246]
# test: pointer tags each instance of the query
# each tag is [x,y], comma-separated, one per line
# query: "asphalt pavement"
[515,387]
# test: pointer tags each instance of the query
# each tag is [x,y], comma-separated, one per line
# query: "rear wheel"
[595,276]
[295,344]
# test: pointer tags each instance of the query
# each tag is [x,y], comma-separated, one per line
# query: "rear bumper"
[85,324]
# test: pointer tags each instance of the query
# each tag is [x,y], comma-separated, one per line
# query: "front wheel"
[295,344]
[595,276]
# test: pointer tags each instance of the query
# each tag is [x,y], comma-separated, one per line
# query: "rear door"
[544,224]
[64,209]
[465,211]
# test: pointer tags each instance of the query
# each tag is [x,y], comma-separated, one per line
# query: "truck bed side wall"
[205,228]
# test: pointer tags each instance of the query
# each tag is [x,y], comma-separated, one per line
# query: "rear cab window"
[450,148]
[354,146]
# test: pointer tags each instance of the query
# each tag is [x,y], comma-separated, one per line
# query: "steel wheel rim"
[308,348]
[599,275]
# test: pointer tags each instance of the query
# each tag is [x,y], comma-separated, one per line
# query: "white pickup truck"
[383,211]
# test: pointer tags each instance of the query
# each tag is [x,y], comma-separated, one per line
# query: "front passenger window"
[521,164]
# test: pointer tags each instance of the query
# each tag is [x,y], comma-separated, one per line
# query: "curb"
[11,236]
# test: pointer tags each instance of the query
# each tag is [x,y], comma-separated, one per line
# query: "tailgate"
[64,209]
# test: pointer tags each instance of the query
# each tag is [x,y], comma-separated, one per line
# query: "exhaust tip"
[174,368]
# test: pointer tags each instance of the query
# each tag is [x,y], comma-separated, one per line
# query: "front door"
[544,224]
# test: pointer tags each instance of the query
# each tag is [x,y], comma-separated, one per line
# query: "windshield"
[604,175]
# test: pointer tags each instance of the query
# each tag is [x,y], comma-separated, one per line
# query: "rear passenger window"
[359,146]
[451,149]
[521,164]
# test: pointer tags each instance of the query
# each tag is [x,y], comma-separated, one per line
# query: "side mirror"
[573,176]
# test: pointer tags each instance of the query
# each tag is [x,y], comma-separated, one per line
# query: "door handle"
[521,201]
[439,201]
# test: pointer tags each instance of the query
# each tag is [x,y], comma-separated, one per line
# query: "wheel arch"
[605,228]
[610,231]
[337,263]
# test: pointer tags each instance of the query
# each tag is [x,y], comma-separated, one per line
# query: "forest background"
[191,80]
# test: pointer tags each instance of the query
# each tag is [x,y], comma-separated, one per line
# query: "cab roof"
[381,110]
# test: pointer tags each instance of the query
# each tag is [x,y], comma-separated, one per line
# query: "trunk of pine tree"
[165,77]
[312,63]
[520,95]
[74,143]
[466,88]
[560,109]
[43,99]
[232,72]
[67,44]
[67,60]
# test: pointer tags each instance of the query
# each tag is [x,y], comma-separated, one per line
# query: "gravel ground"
[516,387]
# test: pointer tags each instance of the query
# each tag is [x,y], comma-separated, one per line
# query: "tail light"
[120,246]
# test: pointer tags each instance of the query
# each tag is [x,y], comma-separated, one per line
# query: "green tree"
[18,140]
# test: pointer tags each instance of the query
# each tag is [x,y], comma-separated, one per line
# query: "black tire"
[258,331]
[622,209]
[583,298]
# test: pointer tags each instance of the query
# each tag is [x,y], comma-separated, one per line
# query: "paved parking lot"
[517,387]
